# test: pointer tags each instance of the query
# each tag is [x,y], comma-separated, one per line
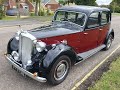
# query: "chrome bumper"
[40,79]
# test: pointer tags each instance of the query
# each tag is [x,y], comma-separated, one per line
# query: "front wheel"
[109,42]
[59,70]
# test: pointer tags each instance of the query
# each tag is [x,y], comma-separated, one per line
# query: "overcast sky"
[103,2]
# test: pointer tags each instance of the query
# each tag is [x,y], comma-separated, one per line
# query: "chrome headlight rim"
[15,55]
[40,46]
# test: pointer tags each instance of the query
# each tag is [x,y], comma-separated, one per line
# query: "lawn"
[110,79]
[9,18]
[41,18]
[116,14]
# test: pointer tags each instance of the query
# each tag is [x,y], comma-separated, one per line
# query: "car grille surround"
[25,48]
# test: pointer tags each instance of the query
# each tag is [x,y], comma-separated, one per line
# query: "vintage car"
[47,53]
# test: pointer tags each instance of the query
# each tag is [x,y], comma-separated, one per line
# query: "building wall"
[52,7]
[31,6]
[12,4]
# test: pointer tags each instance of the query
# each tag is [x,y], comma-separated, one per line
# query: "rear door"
[104,26]
[91,32]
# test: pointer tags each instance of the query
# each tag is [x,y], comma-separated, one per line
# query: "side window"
[60,16]
[93,20]
[80,19]
[71,16]
[104,18]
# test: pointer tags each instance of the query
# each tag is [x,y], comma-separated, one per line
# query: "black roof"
[84,9]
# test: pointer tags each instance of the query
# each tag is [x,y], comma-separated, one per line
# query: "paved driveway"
[12,80]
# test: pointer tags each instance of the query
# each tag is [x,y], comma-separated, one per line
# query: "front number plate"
[18,71]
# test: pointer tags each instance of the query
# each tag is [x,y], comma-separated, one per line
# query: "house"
[51,4]
[24,4]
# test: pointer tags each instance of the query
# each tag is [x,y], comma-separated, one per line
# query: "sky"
[103,2]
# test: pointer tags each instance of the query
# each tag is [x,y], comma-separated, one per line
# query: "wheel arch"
[111,31]
[54,54]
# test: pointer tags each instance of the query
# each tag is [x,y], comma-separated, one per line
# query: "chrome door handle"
[100,29]
[85,33]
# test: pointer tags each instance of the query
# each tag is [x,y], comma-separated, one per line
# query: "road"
[12,80]
[19,22]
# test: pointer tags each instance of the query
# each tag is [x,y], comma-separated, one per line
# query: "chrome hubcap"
[109,43]
[61,70]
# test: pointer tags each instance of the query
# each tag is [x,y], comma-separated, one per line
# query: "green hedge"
[1,12]
[116,9]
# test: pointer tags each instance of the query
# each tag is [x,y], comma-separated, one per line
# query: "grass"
[116,14]
[111,79]
[41,18]
[10,18]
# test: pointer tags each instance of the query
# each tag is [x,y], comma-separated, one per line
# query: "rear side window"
[105,18]
[93,20]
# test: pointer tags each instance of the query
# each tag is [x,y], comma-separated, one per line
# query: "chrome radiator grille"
[25,49]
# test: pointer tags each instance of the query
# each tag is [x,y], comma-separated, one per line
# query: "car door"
[91,33]
[104,26]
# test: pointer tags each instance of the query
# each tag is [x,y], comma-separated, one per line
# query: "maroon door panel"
[103,32]
[90,39]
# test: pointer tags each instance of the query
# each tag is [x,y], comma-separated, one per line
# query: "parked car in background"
[47,53]
[15,12]
[12,12]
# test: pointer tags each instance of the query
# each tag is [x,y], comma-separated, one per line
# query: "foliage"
[1,12]
[62,2]
[32,14]
[85,2]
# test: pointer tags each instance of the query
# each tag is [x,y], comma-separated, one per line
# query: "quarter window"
[93,20]
[104,18]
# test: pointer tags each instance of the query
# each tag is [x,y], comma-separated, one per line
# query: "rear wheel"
[59,70]
[109,42]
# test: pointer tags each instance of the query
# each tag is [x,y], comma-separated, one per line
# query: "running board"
[89,53]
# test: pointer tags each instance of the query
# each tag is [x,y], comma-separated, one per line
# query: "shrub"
[32,14]
[41,13]
[116,9]
[1,12]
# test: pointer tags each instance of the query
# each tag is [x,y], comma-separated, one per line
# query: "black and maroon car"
[47,53]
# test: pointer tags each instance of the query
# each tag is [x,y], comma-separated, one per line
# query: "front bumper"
[22,70]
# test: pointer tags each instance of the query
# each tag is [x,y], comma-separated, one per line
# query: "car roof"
[84,9]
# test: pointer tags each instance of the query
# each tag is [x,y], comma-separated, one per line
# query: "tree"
[62,2]
[85,2]
[37,7]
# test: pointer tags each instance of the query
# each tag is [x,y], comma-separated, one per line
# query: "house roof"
[50,1]
[84,9]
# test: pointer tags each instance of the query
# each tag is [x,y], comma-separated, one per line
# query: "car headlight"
[40,46]
[15,55]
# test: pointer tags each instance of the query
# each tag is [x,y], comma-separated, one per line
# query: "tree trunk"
[36,8]
[39,7]
[18,7]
